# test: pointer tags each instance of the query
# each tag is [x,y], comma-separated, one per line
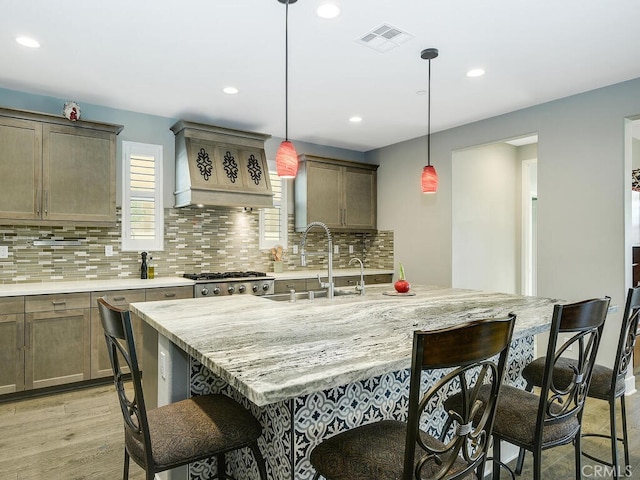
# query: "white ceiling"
[173,59]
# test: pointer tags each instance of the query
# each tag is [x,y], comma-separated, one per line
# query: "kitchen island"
[310,369]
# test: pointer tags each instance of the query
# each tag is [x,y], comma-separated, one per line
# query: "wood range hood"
[218,166]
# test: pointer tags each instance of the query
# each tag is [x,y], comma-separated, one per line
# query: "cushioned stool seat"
[600,379]
[199,427]
[374,452]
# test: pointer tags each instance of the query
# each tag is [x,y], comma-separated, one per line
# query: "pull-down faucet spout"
[303,258]
[360,286]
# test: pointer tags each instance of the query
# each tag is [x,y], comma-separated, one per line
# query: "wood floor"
[68,436]
[78,436]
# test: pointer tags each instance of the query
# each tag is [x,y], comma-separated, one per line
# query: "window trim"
[130,149]
[284,215]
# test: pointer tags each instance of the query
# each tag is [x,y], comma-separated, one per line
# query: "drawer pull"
[119,299]
[289,286]
[59,303]
[169,295]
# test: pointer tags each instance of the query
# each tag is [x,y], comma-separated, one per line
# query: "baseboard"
[630,385]
[508,452]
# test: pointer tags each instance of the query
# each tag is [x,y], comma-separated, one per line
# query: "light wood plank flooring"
[78,436]
[68,436]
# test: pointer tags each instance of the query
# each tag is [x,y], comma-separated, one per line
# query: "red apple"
[402,286]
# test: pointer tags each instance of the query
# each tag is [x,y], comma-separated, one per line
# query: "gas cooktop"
[224,275]
[229,283]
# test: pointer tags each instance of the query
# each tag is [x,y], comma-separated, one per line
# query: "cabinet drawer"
[350,281]
[118,298]
[10,305]
[169,293]
[382,278]
[284,286]
[61,301]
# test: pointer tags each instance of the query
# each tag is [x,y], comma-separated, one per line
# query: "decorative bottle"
[143,267]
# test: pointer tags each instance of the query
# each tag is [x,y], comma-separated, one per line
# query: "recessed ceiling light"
[328,10]
[28,42]
[230,90]
[475,72]
[355,119]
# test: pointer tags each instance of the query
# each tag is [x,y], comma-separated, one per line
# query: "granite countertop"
[17,289]
[342,272]
[273,351]
[96,285]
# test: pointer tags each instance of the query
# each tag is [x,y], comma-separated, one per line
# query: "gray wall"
[584,195]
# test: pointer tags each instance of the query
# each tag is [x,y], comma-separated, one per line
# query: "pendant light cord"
[429,117]
[286,72]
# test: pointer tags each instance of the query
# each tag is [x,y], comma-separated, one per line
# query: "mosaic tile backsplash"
[196,240]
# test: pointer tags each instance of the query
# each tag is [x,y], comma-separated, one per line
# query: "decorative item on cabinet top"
[71,111]
[220,167]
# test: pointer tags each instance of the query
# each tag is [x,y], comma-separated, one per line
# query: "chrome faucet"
[360,286]
[303,258]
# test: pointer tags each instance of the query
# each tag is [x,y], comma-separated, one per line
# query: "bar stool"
[179,433]
[392,449]
[539,422]
[605,384]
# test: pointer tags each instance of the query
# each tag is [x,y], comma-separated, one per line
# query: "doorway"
[494,197]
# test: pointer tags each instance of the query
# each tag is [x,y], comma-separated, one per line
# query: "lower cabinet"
[285,286]
[11,344]
[51,340]
[340,281]
[168,293]
[100,363]
[378,278]
[57,339]
[353,280]
[350,281]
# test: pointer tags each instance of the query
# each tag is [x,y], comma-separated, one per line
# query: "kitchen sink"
[304,296]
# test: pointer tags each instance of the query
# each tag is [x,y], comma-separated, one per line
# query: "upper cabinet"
[338,193]
[56,172]
[220,166]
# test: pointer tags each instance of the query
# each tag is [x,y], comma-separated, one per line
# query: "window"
[273,221]
[142,209]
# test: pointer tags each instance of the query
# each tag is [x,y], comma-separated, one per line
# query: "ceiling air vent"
[384,38]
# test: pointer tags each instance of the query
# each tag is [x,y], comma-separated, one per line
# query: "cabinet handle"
[59,303]
[38,201]
[289,286]
[46,203]
[351,282]
[119,299]
[169,295]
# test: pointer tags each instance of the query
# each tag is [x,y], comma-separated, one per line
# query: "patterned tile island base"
[313,368]
[324,414]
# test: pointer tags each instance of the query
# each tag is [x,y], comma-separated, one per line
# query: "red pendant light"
[287,160]
[286,157]
[429,178]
